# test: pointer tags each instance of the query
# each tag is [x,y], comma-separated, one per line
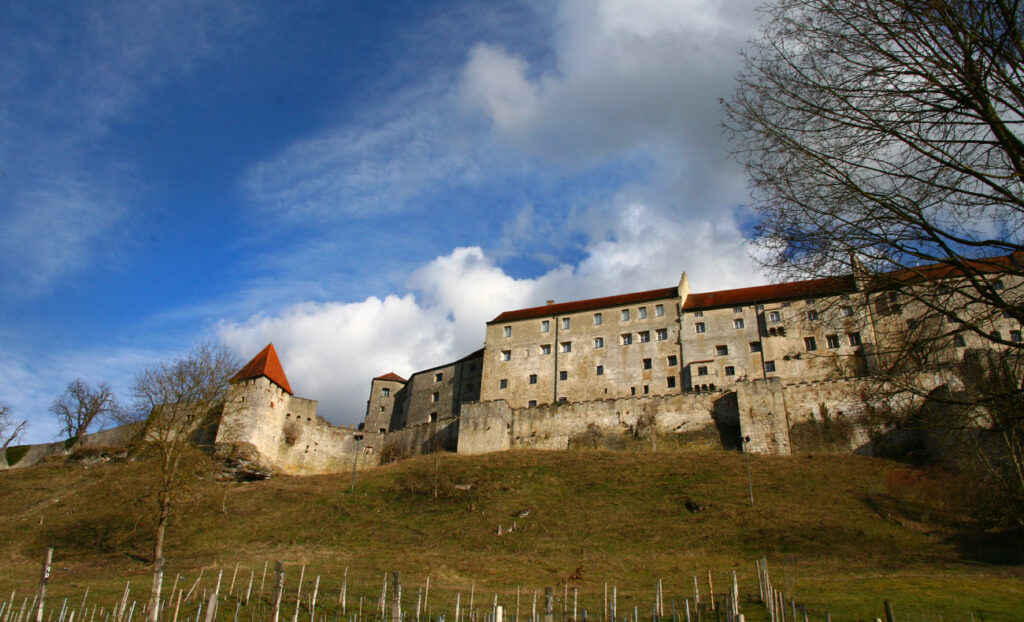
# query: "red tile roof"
[770,293]
[989,265]
[391,376]
[267,365]
[583,305]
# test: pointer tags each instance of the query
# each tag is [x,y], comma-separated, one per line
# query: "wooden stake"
[177,607]
[231,588]
[275,613]
[426,596]
[298,594]
[264,579]
[43,580]
[396,595]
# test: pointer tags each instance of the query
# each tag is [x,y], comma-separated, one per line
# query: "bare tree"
[884,139]
[890,133]
[10,432]
[81,405]
[182,402]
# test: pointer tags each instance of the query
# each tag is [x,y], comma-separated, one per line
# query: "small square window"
[730,370]
[506,355]
[846,311]
[832,341]
[533,378]
[563,375]
[999,284]
[627,339]
[958,341]
[600,370]
[439,376]
[435,397]
[673,360]
[721,350]
[698,314]
[641,313]
[508,331]
[503,383]
[737,323]
[566,323]
[854,338]
[911,323]
[598,342]
[1007,315]
[810,344]
[647,363]
[659,310]
[531,403]
[644,336]
[755,346]
[812,315]
[598,319]
[545,349]
[698,327]
[647,389]
[1015,336]
[996,335]
[773,316]
[632,390]
[702,370]
[758,307]
[661,334]
[566,346]
[433,417]
[385,392]
[562,400]
[624,315]
[670,382]
[769,366]
[545,326]
[737,309]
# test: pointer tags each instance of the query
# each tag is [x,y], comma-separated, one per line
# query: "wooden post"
[549,605]
[711,591]
[43,580]
[533,615]
[210,606]
[396,604]
[298,594]
[177,607]
[419,602]
[248,591]
[275,613]
[472,595]
[382,603]
[604,612]
[231,588]
[426,597]
[344,590]
[312,603]
[575,602]
[517,603]
[263,580]
[615,602]
[458,598]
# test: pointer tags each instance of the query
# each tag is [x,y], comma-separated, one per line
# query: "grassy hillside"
[841,533]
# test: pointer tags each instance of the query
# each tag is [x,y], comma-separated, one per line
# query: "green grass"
[834,536]
[14,454]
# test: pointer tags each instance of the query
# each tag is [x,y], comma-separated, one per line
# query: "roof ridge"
[265,365]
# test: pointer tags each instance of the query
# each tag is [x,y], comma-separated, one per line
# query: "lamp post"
[355,461]
[746,457]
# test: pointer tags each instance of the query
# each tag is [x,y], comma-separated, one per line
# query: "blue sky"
[362,183]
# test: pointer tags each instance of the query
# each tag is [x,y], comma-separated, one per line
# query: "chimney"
[551,302]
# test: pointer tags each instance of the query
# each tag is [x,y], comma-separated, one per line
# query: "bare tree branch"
[81,405]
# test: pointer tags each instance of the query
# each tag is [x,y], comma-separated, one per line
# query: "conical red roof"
[265,364]
[391,376]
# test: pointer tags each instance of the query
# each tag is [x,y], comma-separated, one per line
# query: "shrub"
[13,455]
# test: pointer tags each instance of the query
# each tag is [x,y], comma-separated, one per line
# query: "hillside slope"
[833,531]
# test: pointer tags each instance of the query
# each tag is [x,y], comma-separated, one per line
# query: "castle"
[756,368]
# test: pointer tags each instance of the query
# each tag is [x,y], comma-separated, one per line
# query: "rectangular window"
[503,383]
[758,307]
[698,327]
[531,403]
[737,309]
[846,311]
[773,316]
[958,341]
[438,377]
[545,326]
[545,349]
[647,389]
[911,323]
[670,382]
[832,341]
[508,331]
[644,336]
[506,355]
[600,370]
[563,375]
[624,315]
[702,370]
[673,360]
[786,304]
[433,416]
[1015,335]
[996,335]
[698,314]
[566,346]
[659,310]
[641,313]
[533,378]
[737,323]
[812,315]
[999,284]
[769,366]
[598,320]
[627,339]
[598,342]
[854,338]
[755,346]
[435,397]
[566,323]
[661,334]
[385,392]
[730,370]
[647,363]
[810,344]
[721,350]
